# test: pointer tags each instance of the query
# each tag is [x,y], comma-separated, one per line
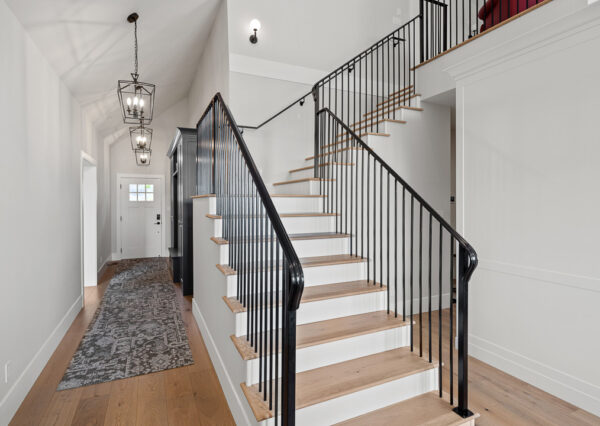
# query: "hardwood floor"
[500,398]
[188,395]
[192,395]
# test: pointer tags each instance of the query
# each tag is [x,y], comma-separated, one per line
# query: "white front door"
[141,217]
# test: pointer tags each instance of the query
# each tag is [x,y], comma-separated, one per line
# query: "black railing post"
[422,29]
[462,331]
[213,148]
[288,358]
[316,160]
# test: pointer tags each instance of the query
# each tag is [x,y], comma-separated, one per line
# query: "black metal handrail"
[256,238]
[358,189]
[300,101]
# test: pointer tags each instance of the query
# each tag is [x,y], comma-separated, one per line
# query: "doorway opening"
[140,216]
[89,224]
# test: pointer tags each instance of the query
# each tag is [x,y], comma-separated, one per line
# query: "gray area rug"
[136,330]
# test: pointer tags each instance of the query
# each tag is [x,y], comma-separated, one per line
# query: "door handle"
[157,223]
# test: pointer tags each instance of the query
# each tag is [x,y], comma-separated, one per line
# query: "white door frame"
[120,176]
[87,160]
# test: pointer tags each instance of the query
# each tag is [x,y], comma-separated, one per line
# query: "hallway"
[181,396]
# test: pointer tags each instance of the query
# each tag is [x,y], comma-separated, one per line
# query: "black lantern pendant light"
[136,98]
[142,157]
[141,137]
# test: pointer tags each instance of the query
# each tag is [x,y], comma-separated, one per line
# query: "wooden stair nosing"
[330,163]
[298,196]
[332,152]
[425,409]
[318,293]
[344,378]
[295,237]
[403,97]
[287,182]
[390,106]
[309,262]
[360,135]
[300,214]
[331,330]
[403,90]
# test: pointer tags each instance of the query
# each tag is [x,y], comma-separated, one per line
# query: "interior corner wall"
[212,75]
[42,139]
[122,161]
[527,166]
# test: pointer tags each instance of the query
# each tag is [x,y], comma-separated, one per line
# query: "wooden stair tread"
[319,292]
[336,380]
[297,196]
[333,152]
[296,237]
[321,332]
[321,165]
[310,262]
[395,103]
[287,182]
[427,409]
[299,214]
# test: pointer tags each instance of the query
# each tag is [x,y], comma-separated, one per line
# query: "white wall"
[212,75]
[527,166]
[122,160]
[313,33]
[42,139]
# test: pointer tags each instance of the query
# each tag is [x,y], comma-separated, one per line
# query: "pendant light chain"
[136,48]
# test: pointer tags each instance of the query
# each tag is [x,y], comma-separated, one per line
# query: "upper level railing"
[268,273]
[449,23]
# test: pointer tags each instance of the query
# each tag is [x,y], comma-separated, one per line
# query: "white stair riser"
[318,275]
[304,248]
[298,204]
[325,309]
[296,225]
[339,351]
[370,399]
[310,187]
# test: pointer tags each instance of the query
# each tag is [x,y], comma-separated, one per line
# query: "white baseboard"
[558,383]
[115,256]
[18,391]
[229,388]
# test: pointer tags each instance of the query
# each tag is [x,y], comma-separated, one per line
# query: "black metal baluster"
[440,328]
[451,320]
[412,227]
[388,243]
[429,293]
[420,279]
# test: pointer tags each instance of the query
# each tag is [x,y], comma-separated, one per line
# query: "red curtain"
[495,11]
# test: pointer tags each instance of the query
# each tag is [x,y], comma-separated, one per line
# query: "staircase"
[328,297]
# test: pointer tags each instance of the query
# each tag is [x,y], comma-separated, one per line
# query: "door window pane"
[150,197]
[132,196]
[141,197]
[132,187]
[150,187]
[141,188]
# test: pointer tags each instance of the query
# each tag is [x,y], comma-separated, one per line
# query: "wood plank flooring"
[192,395]
[188,395]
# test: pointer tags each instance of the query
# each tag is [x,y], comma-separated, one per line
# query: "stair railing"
[269,276]
[385,218]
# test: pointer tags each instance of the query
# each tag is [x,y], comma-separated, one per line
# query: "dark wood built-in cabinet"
[182,154]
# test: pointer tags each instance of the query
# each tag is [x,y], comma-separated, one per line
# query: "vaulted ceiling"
[90,45]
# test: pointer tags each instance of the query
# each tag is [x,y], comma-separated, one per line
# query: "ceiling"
[90,45]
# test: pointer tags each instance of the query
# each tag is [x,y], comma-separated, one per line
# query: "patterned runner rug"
[136,330]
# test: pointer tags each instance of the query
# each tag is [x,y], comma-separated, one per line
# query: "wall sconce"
[255,27]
